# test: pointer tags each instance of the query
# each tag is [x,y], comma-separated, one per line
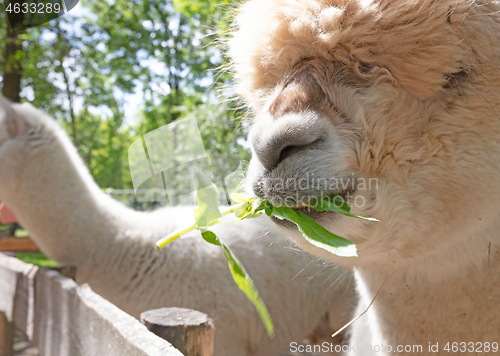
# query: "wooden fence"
[16,244]
[63,318]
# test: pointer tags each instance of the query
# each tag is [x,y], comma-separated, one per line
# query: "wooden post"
[189,331]
[6,336]
[66,271]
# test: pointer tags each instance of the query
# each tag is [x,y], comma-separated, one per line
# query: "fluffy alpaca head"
[393,104]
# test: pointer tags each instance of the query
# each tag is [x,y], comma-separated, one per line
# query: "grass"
[22,233]
[19,232]
[36,258]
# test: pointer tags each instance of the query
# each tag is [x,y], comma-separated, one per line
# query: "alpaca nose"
[285,137]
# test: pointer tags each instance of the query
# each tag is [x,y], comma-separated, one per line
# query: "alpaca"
[44,181]
[406,95]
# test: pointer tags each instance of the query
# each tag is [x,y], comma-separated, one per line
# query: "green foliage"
[103,146]
[343,208]
[21,232]
[3,31]
[214,13]
[243,281]
[36,258]
[79,70]
[207,196]
[177,42]
[310,229]
[314,232]
[207,214]
[221,132]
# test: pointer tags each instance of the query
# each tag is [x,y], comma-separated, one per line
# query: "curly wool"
[420,43]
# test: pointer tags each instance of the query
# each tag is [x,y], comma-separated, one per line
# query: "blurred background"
[112,71]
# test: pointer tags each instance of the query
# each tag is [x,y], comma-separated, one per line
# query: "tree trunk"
[69,94]
[12,69]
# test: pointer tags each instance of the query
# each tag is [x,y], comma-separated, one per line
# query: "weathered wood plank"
[73,320]
[66,271]
[70,320]
[6,336]
[18,244]
[190,331]
[17,292]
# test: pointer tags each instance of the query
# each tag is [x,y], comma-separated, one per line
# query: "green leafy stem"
[208,214]
[178,233]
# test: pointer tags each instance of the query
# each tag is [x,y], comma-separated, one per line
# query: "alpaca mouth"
[315,214]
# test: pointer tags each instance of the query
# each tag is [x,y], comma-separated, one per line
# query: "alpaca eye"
[364,67]
[453,79]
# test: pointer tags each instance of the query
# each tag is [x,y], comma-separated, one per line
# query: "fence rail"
[18,244]
[63,318]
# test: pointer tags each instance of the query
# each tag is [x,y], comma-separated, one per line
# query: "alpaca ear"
[11,123]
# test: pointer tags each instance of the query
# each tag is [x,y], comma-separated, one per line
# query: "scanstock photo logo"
[25,14]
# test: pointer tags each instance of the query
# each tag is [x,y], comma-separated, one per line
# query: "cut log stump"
[189,331]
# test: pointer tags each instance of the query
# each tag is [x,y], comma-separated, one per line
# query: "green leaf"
[340,202]
[248,216]
[243,281]
[268,208]
[210,237]
[315,233]
[327,205]
[243,210]
[239,198]
[207,196]
[258,205]
[252,209]
[246,285]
